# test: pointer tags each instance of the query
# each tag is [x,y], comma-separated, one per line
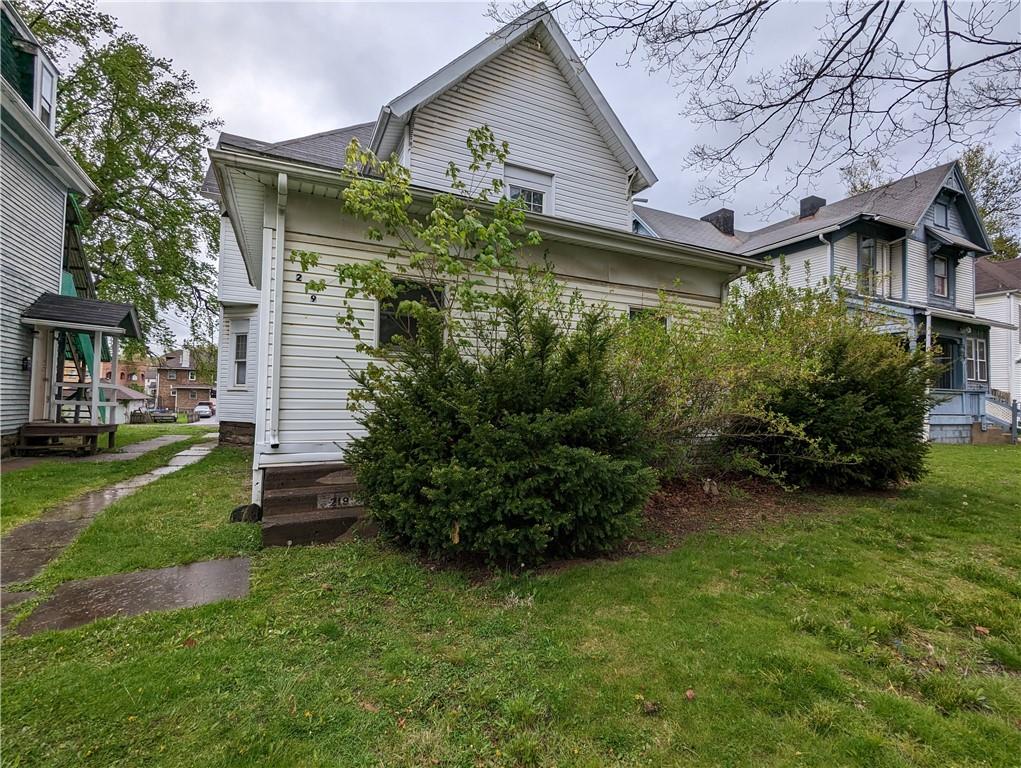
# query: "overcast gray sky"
[276,70]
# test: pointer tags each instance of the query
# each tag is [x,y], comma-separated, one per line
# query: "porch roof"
[78,313]
[964,317]
[949,238]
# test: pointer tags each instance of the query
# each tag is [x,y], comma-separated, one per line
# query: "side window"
[976,359]
[940,276]
[391,324]
[172,375]
[641,313]
[192,375]
[533,188]
[240,359]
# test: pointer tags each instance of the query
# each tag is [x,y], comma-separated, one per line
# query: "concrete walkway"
[128,452]
[29,547]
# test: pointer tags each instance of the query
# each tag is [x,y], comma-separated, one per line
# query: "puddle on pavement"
[130,594]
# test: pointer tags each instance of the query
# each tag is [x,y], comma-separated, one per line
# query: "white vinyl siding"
[845,260]
[316,357]
[806,268]
[525,99]
[1004,344]
[32,210]
[918,272]
[234,403]
[233,287]
[964,289]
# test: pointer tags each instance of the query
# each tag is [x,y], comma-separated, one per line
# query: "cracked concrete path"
[28,548]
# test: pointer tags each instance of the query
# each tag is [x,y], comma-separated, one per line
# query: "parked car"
[203,411]
[210,405]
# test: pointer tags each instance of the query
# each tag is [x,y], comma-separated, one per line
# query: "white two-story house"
[909,249]
[284,375]
[998,298]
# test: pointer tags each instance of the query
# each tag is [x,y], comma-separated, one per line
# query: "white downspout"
[278,292]
[725,286]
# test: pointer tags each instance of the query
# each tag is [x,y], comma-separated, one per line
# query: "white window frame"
[193,376]
[976,356]
[946,277]
[235,361]
[518,180]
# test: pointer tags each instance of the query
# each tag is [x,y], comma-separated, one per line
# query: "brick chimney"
[722,219]
[810,205]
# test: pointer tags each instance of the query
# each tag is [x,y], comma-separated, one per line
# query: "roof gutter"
[561,230]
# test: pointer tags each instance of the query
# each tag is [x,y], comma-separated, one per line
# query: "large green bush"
[791,383]
[513,454]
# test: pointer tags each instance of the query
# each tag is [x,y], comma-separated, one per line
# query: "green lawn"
[27,492]
[843,638]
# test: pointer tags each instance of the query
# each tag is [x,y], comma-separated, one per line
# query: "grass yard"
[27,492]
[880,632]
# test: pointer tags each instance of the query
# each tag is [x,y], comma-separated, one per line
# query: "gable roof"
[901,203]
[684,229]
[997,276]
[53,309]
[394,116]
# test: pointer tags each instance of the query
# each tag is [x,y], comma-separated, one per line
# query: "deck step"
[286,501]
[279,478]
[316,527]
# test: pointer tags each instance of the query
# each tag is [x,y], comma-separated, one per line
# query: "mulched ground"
[680,509]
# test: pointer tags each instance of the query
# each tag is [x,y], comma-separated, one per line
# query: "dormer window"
[939,215]
[940,277]
[532,188]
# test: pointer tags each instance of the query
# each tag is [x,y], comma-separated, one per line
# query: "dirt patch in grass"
[681,509]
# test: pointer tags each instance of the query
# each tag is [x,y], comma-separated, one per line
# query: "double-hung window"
[192,376]
[393,323]
[172,375]
[939,214]
[875,268]
[941,276]
[240,359]
[532,188]
[47,95]
[976,357]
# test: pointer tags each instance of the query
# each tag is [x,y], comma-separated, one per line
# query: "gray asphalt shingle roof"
[55,309]
[995,276]
[684,229]
[327,149]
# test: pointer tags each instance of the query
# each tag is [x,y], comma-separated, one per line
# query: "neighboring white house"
[48,311]
[998,297]
[284,365]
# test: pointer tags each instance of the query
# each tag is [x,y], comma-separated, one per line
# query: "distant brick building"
[178,386]
[131,373]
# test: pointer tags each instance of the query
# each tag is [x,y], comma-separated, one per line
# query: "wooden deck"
[57,437]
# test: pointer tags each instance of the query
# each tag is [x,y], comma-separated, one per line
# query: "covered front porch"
[70,407]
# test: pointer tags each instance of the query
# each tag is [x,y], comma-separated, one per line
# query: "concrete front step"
[994,435]
[316,527]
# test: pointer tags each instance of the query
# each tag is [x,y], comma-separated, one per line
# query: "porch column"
[97,362]
[56,375]
[114,345]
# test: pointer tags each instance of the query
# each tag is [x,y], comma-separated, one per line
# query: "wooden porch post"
[97,363]
[114,344]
